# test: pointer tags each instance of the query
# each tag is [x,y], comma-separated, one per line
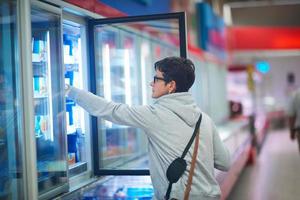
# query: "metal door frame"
[180,16]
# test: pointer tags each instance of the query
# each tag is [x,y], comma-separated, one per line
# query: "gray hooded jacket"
[169,124]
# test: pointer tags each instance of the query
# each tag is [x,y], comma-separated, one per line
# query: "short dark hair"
[180,70]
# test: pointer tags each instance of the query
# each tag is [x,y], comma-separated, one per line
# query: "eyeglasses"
[155,79]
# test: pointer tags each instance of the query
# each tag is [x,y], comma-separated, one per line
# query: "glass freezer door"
[123,51]
[76,121]
[12,171]
[49,119]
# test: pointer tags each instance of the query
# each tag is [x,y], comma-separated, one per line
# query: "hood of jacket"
[182,104]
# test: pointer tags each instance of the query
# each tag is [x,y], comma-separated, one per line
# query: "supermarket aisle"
[275,174]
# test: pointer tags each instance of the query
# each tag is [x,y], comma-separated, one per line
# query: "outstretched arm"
[137,116]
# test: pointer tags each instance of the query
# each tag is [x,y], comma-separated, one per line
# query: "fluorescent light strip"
[106,72]
[127,77]
[80,77]
[144,54]
[106,77]
[80,81]
[49,88]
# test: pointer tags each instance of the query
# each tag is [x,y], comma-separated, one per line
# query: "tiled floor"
[275,175]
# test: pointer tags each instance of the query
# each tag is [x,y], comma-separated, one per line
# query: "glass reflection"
[11,142]
[48,100]
[121,83]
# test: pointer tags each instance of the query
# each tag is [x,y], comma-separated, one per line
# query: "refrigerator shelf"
[71,67]
[39,63]
[37,97]
[36,58]
[39,69]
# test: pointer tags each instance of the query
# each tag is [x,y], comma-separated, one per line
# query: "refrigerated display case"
[121,71]
[49,123]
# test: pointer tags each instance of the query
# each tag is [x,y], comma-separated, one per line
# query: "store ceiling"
[264,13]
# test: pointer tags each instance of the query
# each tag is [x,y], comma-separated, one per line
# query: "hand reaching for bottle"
[67,89]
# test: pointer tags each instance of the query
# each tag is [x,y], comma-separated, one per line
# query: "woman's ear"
[172,86]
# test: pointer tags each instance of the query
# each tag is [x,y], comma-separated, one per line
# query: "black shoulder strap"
[193,136]
[185,152]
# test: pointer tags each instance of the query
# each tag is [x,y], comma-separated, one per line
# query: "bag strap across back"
[192,138]
[193,159]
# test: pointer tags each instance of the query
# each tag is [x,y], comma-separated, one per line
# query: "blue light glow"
[262,66]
